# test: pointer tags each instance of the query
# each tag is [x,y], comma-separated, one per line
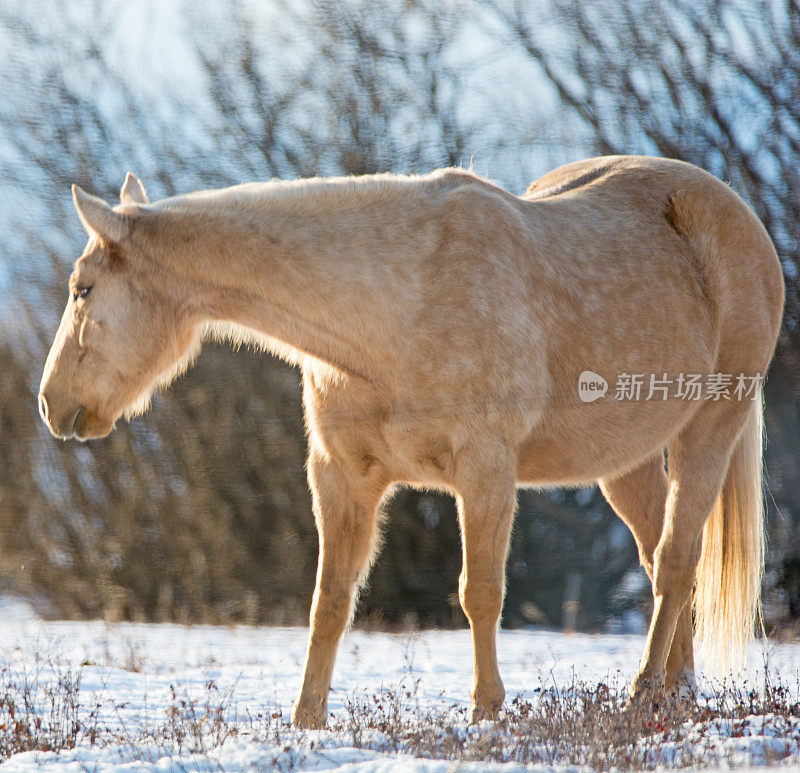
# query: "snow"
[132,676]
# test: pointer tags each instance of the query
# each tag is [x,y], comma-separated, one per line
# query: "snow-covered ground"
[140,684]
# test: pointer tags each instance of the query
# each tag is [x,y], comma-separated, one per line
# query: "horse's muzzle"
[65,428]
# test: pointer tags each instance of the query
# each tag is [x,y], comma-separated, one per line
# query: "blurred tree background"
[199,511]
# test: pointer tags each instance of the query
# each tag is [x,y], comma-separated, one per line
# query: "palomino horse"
[447,333]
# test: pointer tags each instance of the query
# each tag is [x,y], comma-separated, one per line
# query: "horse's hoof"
[482,713]
[645,693]
[308,720]
[683,687]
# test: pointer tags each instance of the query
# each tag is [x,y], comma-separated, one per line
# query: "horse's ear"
[133,191]
[98,218]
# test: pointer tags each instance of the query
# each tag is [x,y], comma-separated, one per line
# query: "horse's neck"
[311,282]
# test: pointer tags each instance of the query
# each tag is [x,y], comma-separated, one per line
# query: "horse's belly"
[576,446]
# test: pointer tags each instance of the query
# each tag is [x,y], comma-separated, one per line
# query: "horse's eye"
[80,292]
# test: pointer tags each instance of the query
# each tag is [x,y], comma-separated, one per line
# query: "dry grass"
[39,710]
[577,725]
[582,724]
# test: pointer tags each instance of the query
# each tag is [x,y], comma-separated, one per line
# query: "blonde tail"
[727,594]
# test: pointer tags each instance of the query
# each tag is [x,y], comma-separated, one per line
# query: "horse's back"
[635,174]
[570,176]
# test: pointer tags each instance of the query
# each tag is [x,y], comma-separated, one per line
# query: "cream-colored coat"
[442,325]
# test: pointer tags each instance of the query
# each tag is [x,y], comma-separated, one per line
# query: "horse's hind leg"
[699,458]
[639,498]
[345,507]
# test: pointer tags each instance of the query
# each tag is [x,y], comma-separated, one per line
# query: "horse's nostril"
[44,408]
[77,418]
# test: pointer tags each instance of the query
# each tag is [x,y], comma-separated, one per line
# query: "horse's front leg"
[486,502]
[345,505]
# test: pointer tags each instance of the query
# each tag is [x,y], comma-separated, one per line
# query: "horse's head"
[127,327]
